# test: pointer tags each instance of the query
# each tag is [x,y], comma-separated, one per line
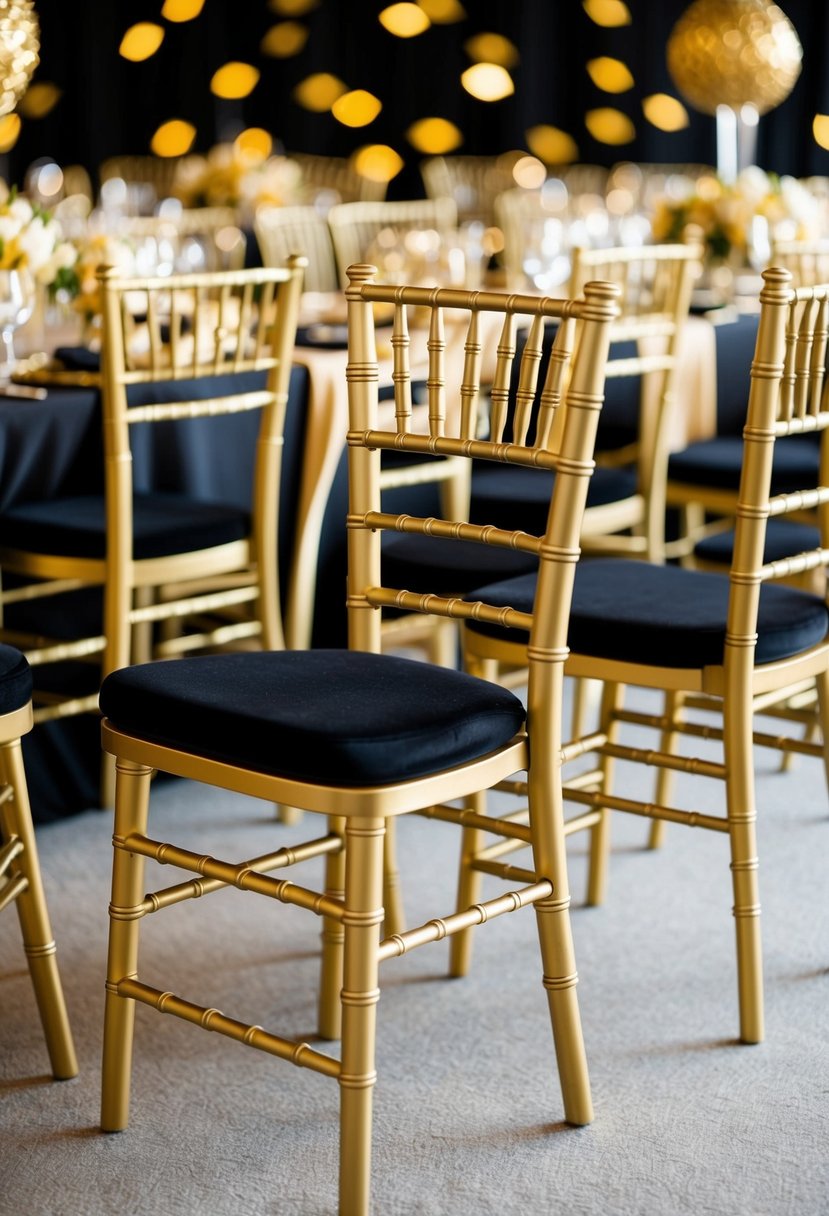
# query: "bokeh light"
[319,91]
[377,162]
[492,48]
[141,41]
[254,144]
[609,126]
[487,81]
[552,145]
[181,10]
[434,136]
[10,126]
[293,8]
[357,108]
[610,75]
[285,39]
[404,20]
[665,112]
[39,99]
[607,12]
[529,172]
[443,12]
[173,138]
[234,80]
[820,130]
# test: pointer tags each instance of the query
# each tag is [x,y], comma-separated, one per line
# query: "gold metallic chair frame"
[21,884]
[281,231]
[240,334]
[337,174]
[787,397]
[351,906]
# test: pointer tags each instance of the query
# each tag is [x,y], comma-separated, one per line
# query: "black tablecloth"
[53,448]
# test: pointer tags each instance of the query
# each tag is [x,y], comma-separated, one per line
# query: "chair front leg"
[665,778]
[131,809]
[600,833]
[360,994]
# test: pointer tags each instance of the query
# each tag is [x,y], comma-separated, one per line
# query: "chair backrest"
[807,261]
[354,226]
[472,182]
[196,346]
[155,171]
[448,426]
[338,175]
[655,282]
[281,231]
[787,397]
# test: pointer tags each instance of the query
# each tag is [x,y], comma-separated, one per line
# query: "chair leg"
[742,817]
[665,776]
[600,834]
[553,919]
[822,685]
[330,1010]
[33,914]
[443,644]
[395,917]
[131,809]
[363,916]
[469,889]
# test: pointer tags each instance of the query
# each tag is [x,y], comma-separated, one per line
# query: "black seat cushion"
[162,524]
[447,567]
[784,538]
[718,462]
[333,717]
[664,616]
[518,499]
[15,680]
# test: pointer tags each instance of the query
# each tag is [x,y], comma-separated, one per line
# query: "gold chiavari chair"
[189,346]
[20,879]
[281,231]
[472,182]
[806,261]
[155,171]
[363,737]
[731,641]
[354,226]
[215,228]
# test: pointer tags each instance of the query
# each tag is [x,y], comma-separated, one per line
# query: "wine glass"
[17,299]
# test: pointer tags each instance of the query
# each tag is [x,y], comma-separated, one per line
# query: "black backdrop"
[110,106]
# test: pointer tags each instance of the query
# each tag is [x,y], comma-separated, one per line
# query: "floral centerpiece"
[31,241]
[736,222]
[80,282]
[228,177]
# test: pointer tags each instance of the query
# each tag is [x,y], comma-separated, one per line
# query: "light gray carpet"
[467,1104]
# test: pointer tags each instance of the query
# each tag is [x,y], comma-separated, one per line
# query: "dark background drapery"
[110,106]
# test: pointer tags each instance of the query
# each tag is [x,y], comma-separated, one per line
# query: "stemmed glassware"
[17,300]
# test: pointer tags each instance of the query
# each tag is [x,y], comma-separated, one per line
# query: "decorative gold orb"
[734,53]
[19,46]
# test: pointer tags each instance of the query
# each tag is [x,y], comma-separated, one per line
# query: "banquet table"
[53,447]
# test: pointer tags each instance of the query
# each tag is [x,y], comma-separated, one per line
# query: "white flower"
[21,209]
[37,242]
[65,255]
[9,227]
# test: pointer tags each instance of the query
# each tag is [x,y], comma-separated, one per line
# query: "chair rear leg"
[665,776]
[330,1010]
[360,993]
[600,834]
[131,808]
[33,914]
[822,685]
[469,889]
[395,917]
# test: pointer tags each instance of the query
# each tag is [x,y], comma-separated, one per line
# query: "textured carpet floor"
[467,1103]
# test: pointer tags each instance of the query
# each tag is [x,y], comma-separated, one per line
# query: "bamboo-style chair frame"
[352,903]
[355,225]
[243,335]
[472,182]
[21,884]
[655,283]
[787,397]
[338,175]
[281,231]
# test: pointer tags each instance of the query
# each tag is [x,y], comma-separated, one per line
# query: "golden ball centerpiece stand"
[19,50]
[735,59]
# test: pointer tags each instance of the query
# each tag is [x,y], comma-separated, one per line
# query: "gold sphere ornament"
[734,53]
[19,47]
